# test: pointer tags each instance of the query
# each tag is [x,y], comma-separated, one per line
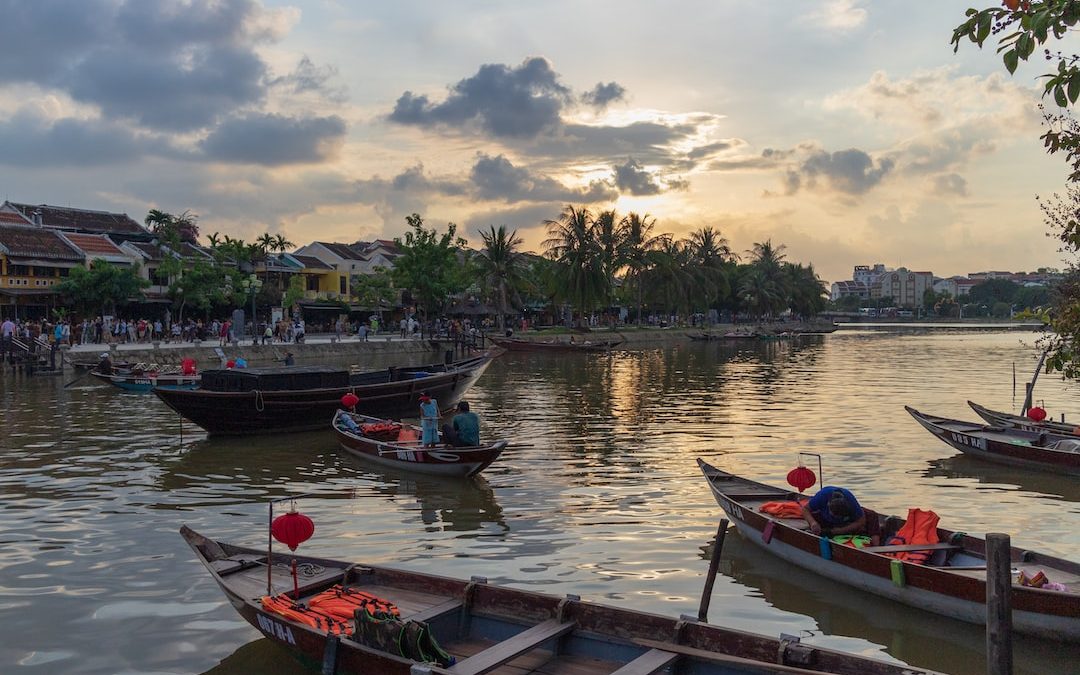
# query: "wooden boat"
[704,337]
[145,381]
[304,398]
[519,345]
[1004,419]
[376,440]
[497,629]
[953,584]
[1007,445]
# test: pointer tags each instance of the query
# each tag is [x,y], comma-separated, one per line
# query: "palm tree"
[808,294]
[500,263]
[714,257]
[671,278]
[572,244]
[265,242]
[640,249]
[769,260]
[281,244]
[609,233]
[213,240]
[760,294]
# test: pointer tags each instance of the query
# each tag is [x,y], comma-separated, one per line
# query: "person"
[105,365]
[289,360]
[268,334]
[834,510]
[464,429]
[429,420]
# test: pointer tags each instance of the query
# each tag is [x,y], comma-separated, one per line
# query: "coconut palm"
[609,232]
[572,244]
[213,240]
[640,251]
[714,259]
[500,264]
[808,294]
[760,294]
[265,242]
[281,244]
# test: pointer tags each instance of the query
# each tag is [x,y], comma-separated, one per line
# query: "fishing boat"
[305,398]
[556,345]
[459,627]
[147,380]
[951,583]
[395,445]
[1007,445]
[1004,419]
[704,337]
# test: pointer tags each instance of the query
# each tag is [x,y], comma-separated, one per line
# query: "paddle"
[79,378]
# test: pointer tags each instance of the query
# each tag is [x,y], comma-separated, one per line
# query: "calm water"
[605,500]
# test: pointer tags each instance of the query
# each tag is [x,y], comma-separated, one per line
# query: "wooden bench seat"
[511,648]
[900,548]
[648,663]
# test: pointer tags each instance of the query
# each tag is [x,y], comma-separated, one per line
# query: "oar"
[79,378]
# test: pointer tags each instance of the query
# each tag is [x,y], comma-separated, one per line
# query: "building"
[343,259]
[98,247]
[32,261]
[379,253]
[844,289]
[906,288]
[118,226]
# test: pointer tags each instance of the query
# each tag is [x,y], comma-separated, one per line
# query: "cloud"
[840,16]
[308,78]
[275,140]
[497,179]
[635,179]
[510,102]
[603,95]
[851,171]
[30,140]
[949,184]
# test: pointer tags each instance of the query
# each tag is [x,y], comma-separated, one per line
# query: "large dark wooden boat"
[377,441]
[1007,445]
[1004,419]
[557,345]
[953,583]
[485,628]
[304,398]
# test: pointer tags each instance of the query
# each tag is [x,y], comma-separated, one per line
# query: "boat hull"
[1023,423]
[516,345]
[223,413]
[1045,614]
[145,383]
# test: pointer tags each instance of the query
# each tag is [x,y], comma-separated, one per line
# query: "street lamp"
[252,285]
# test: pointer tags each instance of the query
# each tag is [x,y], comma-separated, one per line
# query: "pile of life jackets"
[381,430]
[332,610]
[920,528]
[791,509]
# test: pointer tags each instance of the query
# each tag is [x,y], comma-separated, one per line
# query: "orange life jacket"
[790,509]
[331,611]
[920,528]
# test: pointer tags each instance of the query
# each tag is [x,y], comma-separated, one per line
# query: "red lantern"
[350,400]
[230,364]
[801,477]
[1036,414]
[292,529]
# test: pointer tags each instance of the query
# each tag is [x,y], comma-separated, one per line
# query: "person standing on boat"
[834,510]
[429,420]
[464,429]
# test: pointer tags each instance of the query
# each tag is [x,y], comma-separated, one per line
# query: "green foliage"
[375,290]
[500,263]
[172,230]
[994,290]
[429,265]
[294,293]
[201,286]
[101,288]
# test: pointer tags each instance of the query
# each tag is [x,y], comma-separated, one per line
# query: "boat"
[305,398]
[476,627]
[1006,445]
[395,445]
[1004,419]
[520,345]
[953,583]
[140,380]
[704,337]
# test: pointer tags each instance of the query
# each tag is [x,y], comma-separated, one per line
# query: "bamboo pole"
[710,577]
[999,652]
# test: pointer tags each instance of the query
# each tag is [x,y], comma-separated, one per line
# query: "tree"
[642,252]
[201,286]
[428,266]
[281,244]
[715,258]
[580,277]
[102,287]
[807,295]
[375,290]
[173,230]
[500,264]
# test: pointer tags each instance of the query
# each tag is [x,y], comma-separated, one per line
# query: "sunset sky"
[845,129]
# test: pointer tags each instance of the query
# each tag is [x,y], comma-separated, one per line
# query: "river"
[603,499]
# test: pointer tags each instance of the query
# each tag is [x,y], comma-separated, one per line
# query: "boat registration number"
[969,441]
[276,629]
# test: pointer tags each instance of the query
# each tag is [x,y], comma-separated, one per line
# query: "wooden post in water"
[999,652]
[714,564]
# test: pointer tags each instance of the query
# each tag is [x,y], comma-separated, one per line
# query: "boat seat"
[237,563]
[648,663]
[434,612]
[511,648]
[899,548]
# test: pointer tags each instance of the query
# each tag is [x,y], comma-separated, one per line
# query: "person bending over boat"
[464,429]
[834,510]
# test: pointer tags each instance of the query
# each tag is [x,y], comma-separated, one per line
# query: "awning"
[27,291]
[43,262]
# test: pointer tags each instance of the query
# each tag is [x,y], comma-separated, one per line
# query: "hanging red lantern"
[292,529]
[350,400]
[801,478]
[1036,414]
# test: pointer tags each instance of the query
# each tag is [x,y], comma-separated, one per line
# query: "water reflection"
[994,477]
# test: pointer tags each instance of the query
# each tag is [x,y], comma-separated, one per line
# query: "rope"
[259,405]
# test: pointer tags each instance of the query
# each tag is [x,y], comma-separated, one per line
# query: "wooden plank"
[436,611]
[898,548]
[648,663]
[511,648]
[744,665]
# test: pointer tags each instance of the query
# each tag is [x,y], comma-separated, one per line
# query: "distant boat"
[556,345]
[377,441]
[146,380]
[1006,445]
[1026,423]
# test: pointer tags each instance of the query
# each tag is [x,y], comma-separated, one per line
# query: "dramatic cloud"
[30,141]
[635,179]
[851,171]
[497,179]
[275,140]
[506,102]
[603,95]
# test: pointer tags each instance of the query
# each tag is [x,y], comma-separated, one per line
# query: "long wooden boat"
[304,398]
[952,584]
[376,440]
[1004,419]
[1006,445]
[486,628]
[519,345]
[147,380]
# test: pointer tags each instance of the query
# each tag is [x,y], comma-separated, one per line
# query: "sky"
[846,130]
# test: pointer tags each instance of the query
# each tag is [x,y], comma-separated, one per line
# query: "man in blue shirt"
[464,429]
[834,510]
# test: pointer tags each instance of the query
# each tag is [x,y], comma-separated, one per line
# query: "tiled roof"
[187,250]
[34,242]
[311,262]
[13,218]
[151,251]
[82,220]
[94,244]
[340,250]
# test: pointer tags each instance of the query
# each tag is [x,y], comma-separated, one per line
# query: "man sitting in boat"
[464,429]
[834,510]
[105,365]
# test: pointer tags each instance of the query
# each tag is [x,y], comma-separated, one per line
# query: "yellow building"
[32,261]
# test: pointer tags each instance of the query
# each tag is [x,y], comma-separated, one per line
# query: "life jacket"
[332,610]
[792,509]
[852,540]
[381,430]
[407,434]
[920,528]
